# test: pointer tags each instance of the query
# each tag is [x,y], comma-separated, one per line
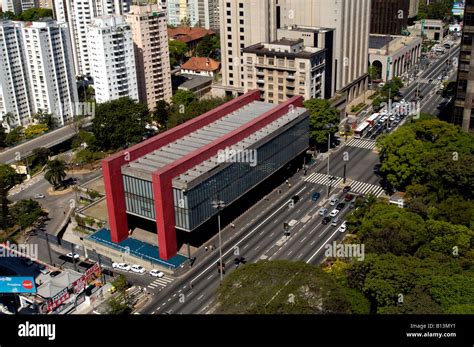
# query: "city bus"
[362,130]
[373,119]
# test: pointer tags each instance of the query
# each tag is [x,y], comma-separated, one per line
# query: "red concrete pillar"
[164,214]
[114,192]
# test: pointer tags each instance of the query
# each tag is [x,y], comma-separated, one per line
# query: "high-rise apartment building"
[112,58]
[11,6]
[79,14]
[464,104]
[48,56]
[14,84]
[389,17]
[204,13]
[150,40]
[27,4]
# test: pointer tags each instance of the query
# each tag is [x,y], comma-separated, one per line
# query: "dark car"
[326,220]
[340,206]
[295,199]
[346,189]
[349,197]
[54,273]
[315,196]
[240,260]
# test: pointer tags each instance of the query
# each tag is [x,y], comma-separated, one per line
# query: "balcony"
[260,81]
[290,77]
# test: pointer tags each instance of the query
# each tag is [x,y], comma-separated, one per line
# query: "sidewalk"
[22,186]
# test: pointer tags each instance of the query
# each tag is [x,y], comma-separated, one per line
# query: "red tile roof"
[188,34]
[201,64]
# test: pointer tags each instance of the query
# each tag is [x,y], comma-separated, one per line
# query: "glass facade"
[194,207]
[139,197]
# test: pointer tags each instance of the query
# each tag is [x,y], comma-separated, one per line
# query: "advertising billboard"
[17,284]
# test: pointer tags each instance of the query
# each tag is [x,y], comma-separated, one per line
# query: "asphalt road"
[262,225]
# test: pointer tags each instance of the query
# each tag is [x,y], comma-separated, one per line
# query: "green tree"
[312,290]
[178,52]
[119,123]
[183,98]
[208,46]
[45,118]
[40,156]
[26,212]
[186,21]
[374,72]
[9,119]
[87,156]
[35,14]
[161,113]
[117,306]
[55,172]
[321,114]
[3,136]
[8,178]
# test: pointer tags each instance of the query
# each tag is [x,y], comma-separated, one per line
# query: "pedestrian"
[286,181]
[191,285]
[232,225]
[289,185]
[205,248]
[279,191]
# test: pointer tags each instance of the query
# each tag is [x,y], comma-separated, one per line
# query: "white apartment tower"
[48,56]
[79,14]
[204,13]
[150,39]
[112,58]
[14,86]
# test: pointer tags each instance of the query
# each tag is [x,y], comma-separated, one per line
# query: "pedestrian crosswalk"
[160,282]
[323,179]
[366,188]
[360,143]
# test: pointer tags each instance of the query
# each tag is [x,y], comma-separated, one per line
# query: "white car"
[392,118]
[39,196]
[74,256]
[138,269]
[342,228]
[121,266]
[334,213]
[156,273]
[323,211]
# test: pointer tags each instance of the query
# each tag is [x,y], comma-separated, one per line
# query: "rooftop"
[190,82]
[201,64]
[188,34]
[394,42]
[144,167]
[295,49]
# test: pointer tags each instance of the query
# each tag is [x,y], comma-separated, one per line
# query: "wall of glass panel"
[139,197]
[193,207]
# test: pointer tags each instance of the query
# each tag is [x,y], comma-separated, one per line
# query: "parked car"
[334,213]
[156,273]
[121,266]
[138,269]
[323,211]
[325,220]
[74,256]
[55,273]
[349,197]
[315,196]
[335,222]
[340,206]
[39,196]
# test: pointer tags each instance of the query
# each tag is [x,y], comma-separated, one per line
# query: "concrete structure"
[285,68]
[434,29]
[79,14]
[11,6]
[394,55]
[351,21]
[27,4]
[46,4]
[203,13]
[464,104]
[242,24]
[14,82]
[414,7]
[49,59]
[150,42]
[112,58]
[200,66]
[389,17]
[198,85]
[172,178]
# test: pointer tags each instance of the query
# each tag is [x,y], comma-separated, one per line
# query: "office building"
[414,7]
[150,40]
[171,179]
[112,58]
[389,17]
[285,68]
[464,104]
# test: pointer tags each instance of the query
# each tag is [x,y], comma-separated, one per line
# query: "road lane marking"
[324,244]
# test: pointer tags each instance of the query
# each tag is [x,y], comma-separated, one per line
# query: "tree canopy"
[208,46]
[178,52]
[119,123]
[322,114]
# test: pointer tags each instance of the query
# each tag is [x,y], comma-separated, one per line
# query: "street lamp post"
[219,204]
[329,127]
